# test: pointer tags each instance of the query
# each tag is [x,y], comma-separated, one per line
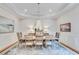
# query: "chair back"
[31,34]
[57,35]
[49,37]
[28,37]
[19,35]
[39,38]
[45,34]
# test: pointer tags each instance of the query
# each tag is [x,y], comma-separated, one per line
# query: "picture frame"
[65,27]
[6,28]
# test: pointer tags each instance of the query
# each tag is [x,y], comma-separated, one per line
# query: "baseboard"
[70,48]
[7,48]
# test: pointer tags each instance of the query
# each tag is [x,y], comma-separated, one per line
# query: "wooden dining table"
[33,38]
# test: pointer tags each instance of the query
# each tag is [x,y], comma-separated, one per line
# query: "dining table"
[34,38]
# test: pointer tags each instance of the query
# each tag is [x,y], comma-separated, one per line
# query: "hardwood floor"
[56,49]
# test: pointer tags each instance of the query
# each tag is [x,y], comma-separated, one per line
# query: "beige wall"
[70,38]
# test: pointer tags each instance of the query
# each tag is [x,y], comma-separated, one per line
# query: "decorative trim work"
[70,48]
[1,50]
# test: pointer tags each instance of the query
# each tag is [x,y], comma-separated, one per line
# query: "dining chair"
[45,34]
[20,34]
[31,34]
[21,40]
[57,36]
[29,40]
[39,41]
[48,40]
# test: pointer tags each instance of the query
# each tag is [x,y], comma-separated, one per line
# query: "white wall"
[70,38]
[7,38]
[22,26]
[26,23]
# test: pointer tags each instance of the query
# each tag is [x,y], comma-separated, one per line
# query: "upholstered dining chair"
[39,41]
[20,34]
[57,36]
[48,40]
[29,40]
[21,40]
[31,34]
[45,34]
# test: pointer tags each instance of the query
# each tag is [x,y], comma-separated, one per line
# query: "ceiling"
[32,9]
[24,10]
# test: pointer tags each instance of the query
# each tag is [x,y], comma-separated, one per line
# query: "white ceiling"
[33,10]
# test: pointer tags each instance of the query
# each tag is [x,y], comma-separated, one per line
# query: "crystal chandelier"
[38,24]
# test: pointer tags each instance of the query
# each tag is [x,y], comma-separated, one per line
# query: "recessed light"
[25,10]
[50,10]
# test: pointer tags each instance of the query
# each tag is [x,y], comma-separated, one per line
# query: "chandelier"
[38,23]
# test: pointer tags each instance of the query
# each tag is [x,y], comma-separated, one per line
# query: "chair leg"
[25,44]
[44,45]
[18,44]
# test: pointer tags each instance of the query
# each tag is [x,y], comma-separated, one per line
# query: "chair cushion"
[29,43]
